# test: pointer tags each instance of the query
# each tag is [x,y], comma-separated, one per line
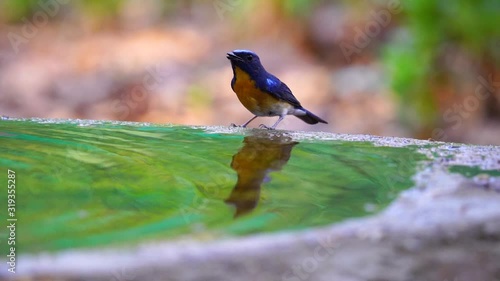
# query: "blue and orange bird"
[262,93]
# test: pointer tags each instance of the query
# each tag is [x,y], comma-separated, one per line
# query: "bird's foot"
[232,125]
[262,126]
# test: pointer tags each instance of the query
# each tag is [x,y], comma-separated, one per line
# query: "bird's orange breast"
[255,100]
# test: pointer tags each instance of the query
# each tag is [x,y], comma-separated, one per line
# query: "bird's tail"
[310,118]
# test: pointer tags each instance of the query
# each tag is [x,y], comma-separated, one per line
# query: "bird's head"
[246,60]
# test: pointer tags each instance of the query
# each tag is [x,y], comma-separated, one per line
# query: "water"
[93,184]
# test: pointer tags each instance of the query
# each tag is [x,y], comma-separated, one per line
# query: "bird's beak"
[232,56]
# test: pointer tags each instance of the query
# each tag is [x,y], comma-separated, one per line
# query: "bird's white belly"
[279,108]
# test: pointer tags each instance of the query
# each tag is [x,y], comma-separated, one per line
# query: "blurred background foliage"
[434,28]
[366,66]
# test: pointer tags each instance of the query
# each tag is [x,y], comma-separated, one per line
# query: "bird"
[262,93]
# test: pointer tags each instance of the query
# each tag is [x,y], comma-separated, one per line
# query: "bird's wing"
[280,90]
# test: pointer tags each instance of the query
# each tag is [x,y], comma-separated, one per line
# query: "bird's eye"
[249,58]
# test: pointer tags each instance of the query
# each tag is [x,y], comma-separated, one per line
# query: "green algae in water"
[89,184]
[472,171]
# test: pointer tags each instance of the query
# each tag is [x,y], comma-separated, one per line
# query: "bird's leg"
[277,122]
[262,126]
[244,125]
[248,122]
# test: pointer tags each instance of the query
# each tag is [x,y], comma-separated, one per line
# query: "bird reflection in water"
[262,152]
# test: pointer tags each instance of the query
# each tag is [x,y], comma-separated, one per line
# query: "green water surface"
[93,184]
[471,171]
